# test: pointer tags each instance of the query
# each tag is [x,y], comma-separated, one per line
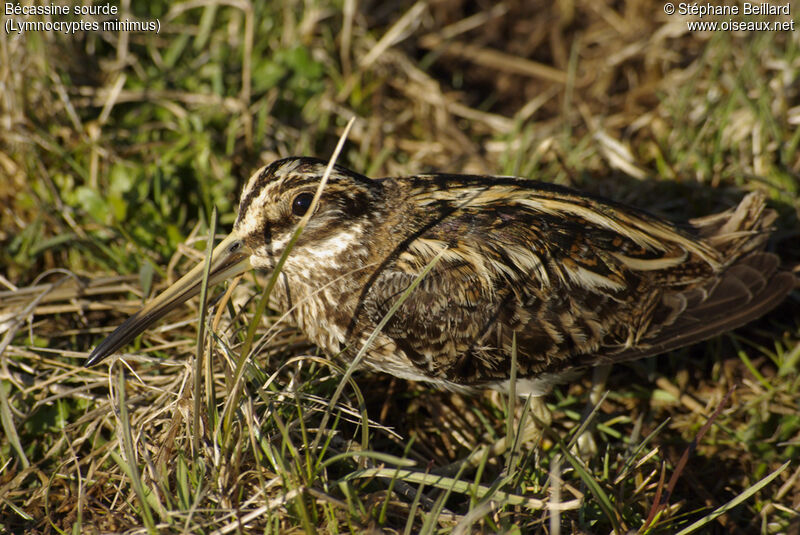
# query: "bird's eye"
[301,203]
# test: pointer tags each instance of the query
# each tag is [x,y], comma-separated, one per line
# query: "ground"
[115,146]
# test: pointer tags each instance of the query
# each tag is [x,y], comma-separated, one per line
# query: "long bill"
[230,258]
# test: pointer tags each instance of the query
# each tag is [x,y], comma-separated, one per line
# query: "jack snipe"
[581,280]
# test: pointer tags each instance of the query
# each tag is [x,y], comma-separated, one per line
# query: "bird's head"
[272,205]
[277,197]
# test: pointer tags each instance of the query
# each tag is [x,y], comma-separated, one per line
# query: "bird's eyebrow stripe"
[292,172]
[295,181]
[254,187]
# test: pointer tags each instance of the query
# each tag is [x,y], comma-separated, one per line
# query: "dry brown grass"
[112,144]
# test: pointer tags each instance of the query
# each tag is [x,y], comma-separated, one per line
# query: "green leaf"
[88,200]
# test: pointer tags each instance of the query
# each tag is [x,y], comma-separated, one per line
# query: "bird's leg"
[586,446]
[541,419]
[538,418]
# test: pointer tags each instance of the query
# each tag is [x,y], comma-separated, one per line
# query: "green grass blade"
[7,420]
[233,401]
[128,463]
[363,351]
[738,500]
[201,332]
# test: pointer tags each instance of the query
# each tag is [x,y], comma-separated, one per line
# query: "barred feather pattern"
[577,279]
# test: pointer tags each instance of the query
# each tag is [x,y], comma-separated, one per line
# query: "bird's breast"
[321,293]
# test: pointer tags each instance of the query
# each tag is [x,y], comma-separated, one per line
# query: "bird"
[571,279]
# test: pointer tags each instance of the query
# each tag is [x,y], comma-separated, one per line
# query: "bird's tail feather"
[740,230]
[745,292]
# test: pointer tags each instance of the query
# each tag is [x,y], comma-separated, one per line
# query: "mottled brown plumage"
[580,280]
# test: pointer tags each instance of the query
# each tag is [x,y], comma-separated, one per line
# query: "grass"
[116,148]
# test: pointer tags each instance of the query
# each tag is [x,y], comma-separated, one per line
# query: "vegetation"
[115,148]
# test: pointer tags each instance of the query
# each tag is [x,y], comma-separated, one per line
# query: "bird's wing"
[570,275]
[747,290]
